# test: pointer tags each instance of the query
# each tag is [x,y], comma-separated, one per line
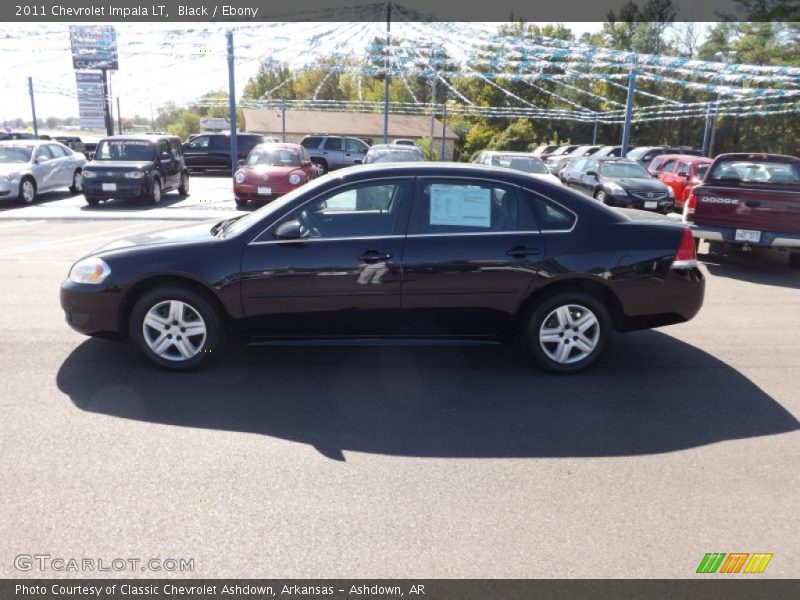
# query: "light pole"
[728,57]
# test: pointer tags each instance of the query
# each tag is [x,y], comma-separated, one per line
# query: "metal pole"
[33,108]
[283,120]
[232,104]
[713,129]
[106,105]
[433,107]
[386,74]
[119,117]
[707,132]
[594,135]
[444,127]
[626,131]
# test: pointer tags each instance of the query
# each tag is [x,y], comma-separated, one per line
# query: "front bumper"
[91,309]
[769,239]
[243,191]
[9,189]
[131,188]
[664,205]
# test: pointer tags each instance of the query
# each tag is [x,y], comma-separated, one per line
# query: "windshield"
[274,207]
[375,156]
[15,154]
[274,158]
[620,170]
[125,150]
[521,163]
[637,153]
[756,171]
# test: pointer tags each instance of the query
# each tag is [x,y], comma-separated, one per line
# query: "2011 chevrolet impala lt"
[410,251]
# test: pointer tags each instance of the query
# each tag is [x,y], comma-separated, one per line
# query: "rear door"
[45,169]
[354,151]
[470,256]
[332,152]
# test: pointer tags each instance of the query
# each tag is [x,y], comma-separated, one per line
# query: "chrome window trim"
[336,239]
[331,190]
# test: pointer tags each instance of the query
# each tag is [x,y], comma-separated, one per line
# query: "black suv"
[330,152]
[213,150]
[132,167]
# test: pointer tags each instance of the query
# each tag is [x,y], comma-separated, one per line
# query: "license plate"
[651,204]
[264,191]
[109,187]
[747,235]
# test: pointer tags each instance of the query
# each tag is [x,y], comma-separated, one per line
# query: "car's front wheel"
[567,331]
[183,190]
[176,327]
[27,190]
[77,182]
[600,196]
[155,192]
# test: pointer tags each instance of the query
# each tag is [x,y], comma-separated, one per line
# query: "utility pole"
[626,131]
[386,74]
[33,108]
[232,105]
[107,105]
[707,132]
[594,135]
[444,128]
[119,117]
[727,58]
[283,120]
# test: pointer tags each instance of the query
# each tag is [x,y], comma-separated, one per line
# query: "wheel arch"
[595,288]
[147,283]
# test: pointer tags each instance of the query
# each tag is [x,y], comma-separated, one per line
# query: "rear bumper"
[675,299]
[769,239]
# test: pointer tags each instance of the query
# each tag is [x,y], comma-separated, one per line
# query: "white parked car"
[31,167]
[519,161]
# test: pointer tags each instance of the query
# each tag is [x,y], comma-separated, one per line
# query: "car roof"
[434,169]
[142,137]
[684,157]
[285,145]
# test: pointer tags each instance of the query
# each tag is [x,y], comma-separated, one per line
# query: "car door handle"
[373,256]
[522,251]
[752,204]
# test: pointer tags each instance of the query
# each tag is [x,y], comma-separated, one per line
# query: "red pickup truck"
[748,200]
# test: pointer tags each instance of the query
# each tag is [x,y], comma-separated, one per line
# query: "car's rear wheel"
[155,192]
[183,189]
[27,190]
[322,165]
[567,331]
[77,182]
[176,327]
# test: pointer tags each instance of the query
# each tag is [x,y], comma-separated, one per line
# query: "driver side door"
[342,277]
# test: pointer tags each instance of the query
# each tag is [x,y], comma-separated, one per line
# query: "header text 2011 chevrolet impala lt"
[412,251]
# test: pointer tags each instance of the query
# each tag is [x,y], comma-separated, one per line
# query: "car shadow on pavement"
[135,205]
[14,203]
[760,269]
[651,394]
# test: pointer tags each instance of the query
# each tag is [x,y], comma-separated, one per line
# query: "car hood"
[99,165]
[257,172]
[198,232]
[6,168]
[638,184]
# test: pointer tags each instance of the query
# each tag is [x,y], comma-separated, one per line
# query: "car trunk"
[747,208]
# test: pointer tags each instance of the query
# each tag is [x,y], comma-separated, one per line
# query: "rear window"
[756,171]
[311,142]
[521,163]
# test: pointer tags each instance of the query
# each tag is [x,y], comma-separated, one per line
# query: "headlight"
[239,177]
[615,188]
[89,270]
[134,175]
[88,174]
[8,177]
[295,178]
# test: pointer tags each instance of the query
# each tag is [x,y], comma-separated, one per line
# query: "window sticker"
[460,205]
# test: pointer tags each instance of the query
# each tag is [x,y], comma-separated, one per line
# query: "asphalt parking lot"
[393,461]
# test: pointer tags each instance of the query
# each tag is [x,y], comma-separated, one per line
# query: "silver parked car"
[380,153]
[31,167]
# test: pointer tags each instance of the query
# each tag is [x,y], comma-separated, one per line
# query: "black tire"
[600,196]
[240,202]
[27,190]
[183,189]
[77,182]
[794,259]
[322,164]
[91,200]
[214,335]
[155,192]
[543,311]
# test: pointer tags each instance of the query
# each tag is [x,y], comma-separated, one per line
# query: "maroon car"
[749,200]
[272,170]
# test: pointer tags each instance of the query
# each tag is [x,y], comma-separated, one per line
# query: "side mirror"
[91,155]
[240,162]
[291,230]
[591,173]
[683,174]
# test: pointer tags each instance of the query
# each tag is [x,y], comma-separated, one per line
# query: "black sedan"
[419,252]
[619,182]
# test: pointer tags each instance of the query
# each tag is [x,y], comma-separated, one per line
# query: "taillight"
[686,256]
[688,208]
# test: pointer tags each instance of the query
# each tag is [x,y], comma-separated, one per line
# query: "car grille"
[649,195]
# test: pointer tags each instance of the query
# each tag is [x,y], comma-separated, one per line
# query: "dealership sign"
[91,99]
[94,47]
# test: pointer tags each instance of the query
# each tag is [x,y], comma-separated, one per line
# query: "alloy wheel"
[569,333]
[174,330]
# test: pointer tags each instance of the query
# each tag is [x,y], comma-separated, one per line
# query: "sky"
[181,61]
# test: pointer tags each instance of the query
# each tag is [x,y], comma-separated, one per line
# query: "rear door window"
[333,144]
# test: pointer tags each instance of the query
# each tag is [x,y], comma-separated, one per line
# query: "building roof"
[305,122]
